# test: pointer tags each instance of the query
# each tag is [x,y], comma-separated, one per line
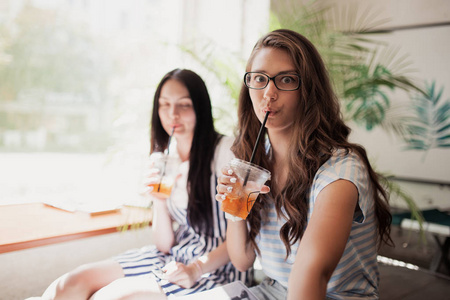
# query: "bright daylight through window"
[77,83]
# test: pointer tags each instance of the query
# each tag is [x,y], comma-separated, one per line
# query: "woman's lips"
[271,111]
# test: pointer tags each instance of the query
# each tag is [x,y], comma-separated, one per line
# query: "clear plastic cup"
[167,166]
[250,179]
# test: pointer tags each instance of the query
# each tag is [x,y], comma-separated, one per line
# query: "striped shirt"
[356,275]
[190,245]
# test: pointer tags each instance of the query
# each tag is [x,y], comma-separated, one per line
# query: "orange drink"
[239,204]
[250,179]
[161,189]
[163,179]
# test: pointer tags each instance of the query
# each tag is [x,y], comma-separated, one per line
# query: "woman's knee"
[130,288]
[87,279]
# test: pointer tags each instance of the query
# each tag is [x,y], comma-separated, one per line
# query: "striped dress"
[190,245]
[356,275]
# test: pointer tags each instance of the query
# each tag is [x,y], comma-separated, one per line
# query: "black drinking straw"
[256,144]
[165,161]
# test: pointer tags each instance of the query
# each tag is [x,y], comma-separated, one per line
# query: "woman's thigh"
[136,287]
[98,274]
[84,280]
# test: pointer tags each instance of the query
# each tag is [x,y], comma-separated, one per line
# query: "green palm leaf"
[363,69]
[431,126]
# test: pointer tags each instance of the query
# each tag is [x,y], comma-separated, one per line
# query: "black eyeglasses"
[283,82]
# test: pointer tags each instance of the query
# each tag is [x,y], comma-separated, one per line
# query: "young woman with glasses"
[179,258]
[315,228]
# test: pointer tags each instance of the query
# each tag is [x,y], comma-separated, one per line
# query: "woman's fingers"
[225,183]
[224,188]
[220,197]
[180,274]
[227,170]
[265,189]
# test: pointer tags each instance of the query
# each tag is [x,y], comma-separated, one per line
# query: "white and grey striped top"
[356,276]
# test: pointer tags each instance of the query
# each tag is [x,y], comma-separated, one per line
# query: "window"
[77,86]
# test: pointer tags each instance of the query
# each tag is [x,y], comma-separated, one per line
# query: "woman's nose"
[271,91]
[174,111]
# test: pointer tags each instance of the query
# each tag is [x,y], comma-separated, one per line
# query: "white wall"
[421,30]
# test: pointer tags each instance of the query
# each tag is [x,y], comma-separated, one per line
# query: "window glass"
[77,83]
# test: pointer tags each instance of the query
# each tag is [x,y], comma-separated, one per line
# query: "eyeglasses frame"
[271,78]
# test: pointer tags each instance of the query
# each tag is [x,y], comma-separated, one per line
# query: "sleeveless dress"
[190,245]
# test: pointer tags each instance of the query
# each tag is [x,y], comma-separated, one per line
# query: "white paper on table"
[232,291]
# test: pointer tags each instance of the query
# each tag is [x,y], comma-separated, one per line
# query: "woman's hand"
[183,275]
[226,184]
[152,179]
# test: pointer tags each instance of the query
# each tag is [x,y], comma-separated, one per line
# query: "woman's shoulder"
[342,164]
[341,157]
[223,153]
[224,144]
[226,140]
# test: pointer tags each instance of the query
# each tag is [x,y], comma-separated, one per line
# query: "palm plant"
[431,126]
[226,69]
[364,71]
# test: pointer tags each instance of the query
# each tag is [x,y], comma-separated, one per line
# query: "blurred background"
[77,79]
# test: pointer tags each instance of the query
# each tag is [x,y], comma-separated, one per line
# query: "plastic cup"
[240,201]
[167,165]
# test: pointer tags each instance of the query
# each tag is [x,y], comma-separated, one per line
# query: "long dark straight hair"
[199,211]
[317,132]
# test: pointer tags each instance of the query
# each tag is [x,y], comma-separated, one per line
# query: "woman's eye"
[184,105]
[287,79]
[260,79]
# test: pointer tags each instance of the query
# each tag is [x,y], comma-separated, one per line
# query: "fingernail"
[230,172]
[229,189]
[223,197]
[233,180]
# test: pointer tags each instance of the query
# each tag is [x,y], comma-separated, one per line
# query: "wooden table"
[26,226]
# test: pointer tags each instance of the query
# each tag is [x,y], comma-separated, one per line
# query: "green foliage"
[363,69]
[431,126]
[416,214]
[227,69]
[221,64]
[368,101]
[71,65]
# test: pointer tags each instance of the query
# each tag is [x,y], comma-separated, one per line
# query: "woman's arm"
[187,275]
[162,229]
[241,253]
[323,242]
[214,259]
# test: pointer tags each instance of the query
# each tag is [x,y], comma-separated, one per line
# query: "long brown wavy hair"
[199,211]
[318,130]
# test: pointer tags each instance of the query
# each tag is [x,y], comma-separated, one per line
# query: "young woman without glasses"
[179,258]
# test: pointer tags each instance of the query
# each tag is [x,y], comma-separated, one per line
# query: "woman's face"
[176,109]
[281,104]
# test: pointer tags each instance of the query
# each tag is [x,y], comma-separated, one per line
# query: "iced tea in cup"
[240,201]
[166,167]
